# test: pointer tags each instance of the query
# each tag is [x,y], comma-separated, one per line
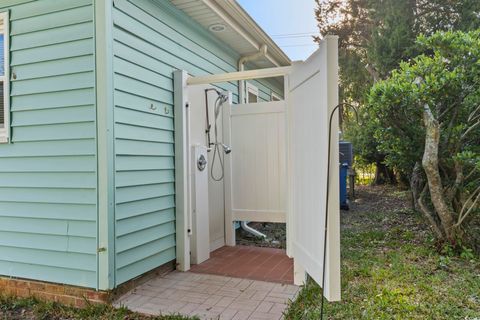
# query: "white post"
[290,212]
[333,288]
[299,274]
[227,138]
[182,170]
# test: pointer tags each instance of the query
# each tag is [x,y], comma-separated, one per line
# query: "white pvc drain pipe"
[246,227]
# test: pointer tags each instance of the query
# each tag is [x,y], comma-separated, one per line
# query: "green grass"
[391,269]
[13,308]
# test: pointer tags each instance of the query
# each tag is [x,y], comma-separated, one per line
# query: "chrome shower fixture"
[226,148]
[221,100]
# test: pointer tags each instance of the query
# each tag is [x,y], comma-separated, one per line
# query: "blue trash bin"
[343,186]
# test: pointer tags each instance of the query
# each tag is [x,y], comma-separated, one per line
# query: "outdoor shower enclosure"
[297,148]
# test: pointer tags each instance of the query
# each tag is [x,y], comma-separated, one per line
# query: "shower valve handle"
[201,163]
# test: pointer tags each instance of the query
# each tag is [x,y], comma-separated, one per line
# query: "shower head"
[226,149]
[223,96]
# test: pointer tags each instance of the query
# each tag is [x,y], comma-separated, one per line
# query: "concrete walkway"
[210,297]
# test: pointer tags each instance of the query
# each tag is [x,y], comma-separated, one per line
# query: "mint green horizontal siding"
[54,116]
[151,39]
[52,52]
[144,178]
[265,89]
[40,210]
[24,164]
[145,230]
[48,183]
[47,227]
[87,180]
[137,208]
[68,16]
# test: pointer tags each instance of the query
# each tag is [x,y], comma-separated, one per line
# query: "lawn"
[392,268]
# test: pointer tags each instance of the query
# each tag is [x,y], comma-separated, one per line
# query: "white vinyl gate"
[277,170]
[255,171]
[313,94]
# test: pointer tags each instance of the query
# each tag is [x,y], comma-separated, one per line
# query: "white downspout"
[241,67]
[241,92]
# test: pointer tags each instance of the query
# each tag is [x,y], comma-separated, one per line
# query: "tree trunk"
[373,72]
[416,185]
[423,208]
[430,165]
[419,189]
[383,174]
[380,172]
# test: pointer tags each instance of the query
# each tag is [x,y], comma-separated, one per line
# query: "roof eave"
[241,17]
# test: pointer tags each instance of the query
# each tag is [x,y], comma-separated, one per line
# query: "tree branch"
[429,214]
[458,181]
[464,135]
[473,206]
[472,116]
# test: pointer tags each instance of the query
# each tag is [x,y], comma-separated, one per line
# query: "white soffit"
[242,33]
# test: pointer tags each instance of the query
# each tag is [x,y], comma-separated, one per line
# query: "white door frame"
[182,155]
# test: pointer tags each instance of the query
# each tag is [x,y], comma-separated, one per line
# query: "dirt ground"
[368,199]
[275,232]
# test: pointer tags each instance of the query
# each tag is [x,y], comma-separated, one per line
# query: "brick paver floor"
[210,297]
[266,264]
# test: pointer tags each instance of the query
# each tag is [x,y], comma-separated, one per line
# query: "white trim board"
[240,75]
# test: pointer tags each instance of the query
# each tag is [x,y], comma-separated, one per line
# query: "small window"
[275,97]
[4,78]
[252,93]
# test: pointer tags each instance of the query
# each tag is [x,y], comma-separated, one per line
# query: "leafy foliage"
[374,38]
[403,60]
[445,77]
[450,73]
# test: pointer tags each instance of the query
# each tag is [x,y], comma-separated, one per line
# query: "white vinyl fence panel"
[258,162]
[312,97]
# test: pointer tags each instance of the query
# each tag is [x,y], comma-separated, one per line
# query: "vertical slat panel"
[313,96]
[258,138]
